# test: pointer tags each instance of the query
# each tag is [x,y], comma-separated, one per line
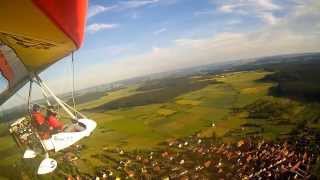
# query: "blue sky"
[127,38]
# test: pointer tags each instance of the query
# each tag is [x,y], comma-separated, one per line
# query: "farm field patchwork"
[142,127]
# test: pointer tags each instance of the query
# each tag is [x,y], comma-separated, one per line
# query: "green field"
[147,126]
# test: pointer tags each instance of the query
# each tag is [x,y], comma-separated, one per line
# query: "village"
[203,158]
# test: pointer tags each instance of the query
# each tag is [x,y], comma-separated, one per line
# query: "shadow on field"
[156,91]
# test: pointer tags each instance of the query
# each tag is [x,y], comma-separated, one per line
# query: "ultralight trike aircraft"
[34,34]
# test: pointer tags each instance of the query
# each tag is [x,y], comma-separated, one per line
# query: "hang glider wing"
[35,34]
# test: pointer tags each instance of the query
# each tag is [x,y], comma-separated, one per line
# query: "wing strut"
[44,87]
[72,112]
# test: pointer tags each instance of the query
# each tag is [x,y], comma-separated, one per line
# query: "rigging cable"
[29,97]
[73,83]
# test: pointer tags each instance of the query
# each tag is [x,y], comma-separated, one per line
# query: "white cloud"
[269,18]
[95,27]
[193,52]
[133,4]
[263,9]
[126,5]
[122,5]
[297,33]
[228,8]
[97,9]
[159,31]
[267,5]
[156,50]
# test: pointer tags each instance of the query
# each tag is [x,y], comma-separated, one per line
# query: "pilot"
[39,119]
[55,125]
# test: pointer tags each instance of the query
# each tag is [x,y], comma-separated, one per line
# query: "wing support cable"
[44,87]
[29,97]
[73,81]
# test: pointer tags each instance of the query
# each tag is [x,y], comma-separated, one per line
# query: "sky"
[129,38]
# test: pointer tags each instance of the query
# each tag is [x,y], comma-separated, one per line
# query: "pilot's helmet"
[51,110]
[36,107]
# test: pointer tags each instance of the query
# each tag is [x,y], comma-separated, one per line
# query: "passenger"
[39,121]
[54,124]
[57,126]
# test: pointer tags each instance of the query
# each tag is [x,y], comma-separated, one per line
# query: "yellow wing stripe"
[33,36]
